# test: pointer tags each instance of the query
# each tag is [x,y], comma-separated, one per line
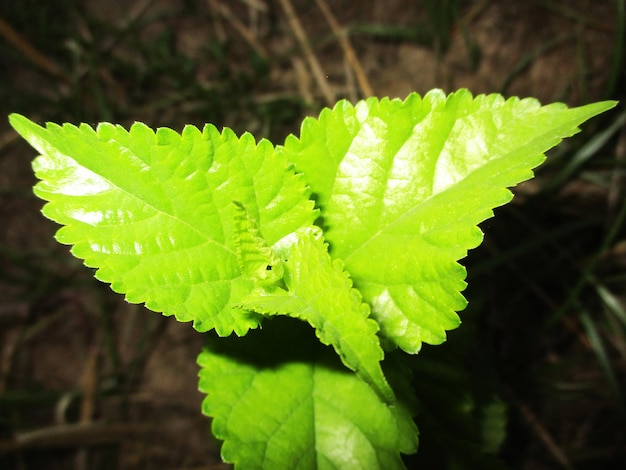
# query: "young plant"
[355,227]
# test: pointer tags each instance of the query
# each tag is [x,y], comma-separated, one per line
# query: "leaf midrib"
[415,206]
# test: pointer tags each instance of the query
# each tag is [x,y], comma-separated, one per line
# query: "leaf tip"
[22,125]
[16,118]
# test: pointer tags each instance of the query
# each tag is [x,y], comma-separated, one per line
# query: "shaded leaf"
[280,400]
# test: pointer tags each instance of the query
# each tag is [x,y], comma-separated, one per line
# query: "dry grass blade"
[316,68]
[255,4]
[238,26]
[77,435]
[348,50]
[544,436]
[30,52]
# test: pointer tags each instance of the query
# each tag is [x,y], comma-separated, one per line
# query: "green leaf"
[402,186]
[256,258]
[320,292]
[154,212]
[279,400]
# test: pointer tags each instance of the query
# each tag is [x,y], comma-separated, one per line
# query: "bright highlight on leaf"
[402,186]
[218,230]
[154,212]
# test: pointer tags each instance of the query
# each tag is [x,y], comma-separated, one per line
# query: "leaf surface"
[403,185]
[154,212]
[256,259]
[320,292]
[280,400]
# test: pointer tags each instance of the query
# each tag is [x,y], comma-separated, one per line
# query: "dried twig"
[541,432]
[348,50]
[238,26]
[352,92]
[217,25]
[316,69]
[255,4]
[30,52]
[78,435]
[304,79]
[89,386]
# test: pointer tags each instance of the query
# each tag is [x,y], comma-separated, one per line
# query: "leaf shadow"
[279,341]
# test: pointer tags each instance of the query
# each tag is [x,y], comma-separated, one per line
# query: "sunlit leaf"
[403,185]
[154,212]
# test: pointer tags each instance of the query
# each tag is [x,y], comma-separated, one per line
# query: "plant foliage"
[223,231]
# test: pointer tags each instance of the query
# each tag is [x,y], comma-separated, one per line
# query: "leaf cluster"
[356,227]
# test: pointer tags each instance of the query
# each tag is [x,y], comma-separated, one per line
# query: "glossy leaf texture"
[281,400]
[155,212]
[403,185]
[320,292]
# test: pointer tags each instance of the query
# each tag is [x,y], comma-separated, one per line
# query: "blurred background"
[535,377]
